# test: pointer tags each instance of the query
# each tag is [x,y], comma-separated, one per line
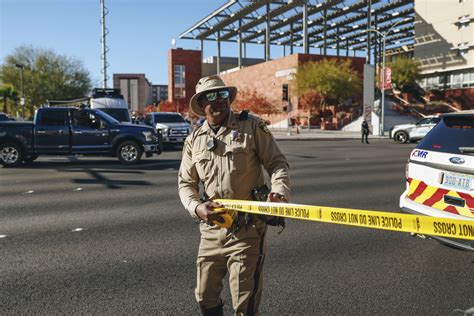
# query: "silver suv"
[413,132]
[173,127]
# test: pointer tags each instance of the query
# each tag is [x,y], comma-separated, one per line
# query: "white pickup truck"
[174,128]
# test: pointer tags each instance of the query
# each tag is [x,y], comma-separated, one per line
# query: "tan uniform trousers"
[241,254]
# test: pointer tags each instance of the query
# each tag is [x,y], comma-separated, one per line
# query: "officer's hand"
[205,211]
[276,197]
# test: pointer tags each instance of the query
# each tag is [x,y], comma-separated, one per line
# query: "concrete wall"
[266,78]
[136,90]
[437,35]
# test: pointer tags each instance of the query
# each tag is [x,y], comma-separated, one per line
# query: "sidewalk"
[316,134]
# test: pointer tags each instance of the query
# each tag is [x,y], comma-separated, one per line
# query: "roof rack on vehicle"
[106,93]
[81,102]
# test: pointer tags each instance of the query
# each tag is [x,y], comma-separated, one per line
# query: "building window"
[179,93]
[456,81]
[179,75]
[451,80]
[448,81]
[179,81]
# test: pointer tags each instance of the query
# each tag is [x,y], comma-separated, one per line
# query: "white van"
[111,102]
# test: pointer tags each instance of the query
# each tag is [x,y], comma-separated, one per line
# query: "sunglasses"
[213,96]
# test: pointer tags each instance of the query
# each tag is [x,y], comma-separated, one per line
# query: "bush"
[254,102]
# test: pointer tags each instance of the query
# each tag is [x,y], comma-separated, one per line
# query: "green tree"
[405,73]
[8,93]
[46,75]
[334,80]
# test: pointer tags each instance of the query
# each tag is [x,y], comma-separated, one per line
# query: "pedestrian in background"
[226,155]
[365,132]
[289,109]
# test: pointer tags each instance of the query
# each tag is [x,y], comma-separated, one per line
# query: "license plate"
[458,181]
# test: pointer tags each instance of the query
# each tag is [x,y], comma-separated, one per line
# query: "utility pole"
[105,49]
[382,74]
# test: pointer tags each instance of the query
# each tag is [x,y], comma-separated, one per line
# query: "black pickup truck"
[75,131]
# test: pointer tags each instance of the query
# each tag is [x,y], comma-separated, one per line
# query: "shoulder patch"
[263,126]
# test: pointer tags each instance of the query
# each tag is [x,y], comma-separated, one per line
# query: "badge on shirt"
[235,136]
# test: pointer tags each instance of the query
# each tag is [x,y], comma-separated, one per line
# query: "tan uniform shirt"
[234,167]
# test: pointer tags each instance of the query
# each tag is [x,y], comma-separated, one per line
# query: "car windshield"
[168,118]
[452,132]
[120,115]
[428,120]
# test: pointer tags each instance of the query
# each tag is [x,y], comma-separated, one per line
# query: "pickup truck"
[75,131]
[172,125]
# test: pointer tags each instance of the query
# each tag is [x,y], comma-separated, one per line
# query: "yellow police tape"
[446,227]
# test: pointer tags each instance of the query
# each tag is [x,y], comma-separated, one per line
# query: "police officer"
[226,155]
[365,132]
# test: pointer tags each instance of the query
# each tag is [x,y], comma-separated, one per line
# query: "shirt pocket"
[203,163]
[240,158]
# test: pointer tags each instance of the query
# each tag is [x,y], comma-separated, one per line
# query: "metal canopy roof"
[329,24]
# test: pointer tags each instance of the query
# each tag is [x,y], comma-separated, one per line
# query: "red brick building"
[184,72]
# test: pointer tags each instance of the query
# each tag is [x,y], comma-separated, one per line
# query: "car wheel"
[400,137]
[11,154]
[129,152]
[30,158]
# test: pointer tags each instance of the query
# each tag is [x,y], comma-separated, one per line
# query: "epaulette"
[194,133]
[243,115]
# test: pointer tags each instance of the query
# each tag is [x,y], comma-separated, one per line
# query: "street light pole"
[382,88]
[382,102]
[22,97]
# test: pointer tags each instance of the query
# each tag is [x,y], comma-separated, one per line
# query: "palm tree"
[8,92]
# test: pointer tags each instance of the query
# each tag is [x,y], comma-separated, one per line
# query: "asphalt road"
[91,236]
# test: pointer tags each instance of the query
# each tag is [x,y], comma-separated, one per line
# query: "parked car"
[440,174]
[172,125]
[75,131]
[413,132]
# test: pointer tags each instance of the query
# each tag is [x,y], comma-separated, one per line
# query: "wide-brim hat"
[206,84]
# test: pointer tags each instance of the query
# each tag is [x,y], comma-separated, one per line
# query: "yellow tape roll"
[420,224]
[225,219]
